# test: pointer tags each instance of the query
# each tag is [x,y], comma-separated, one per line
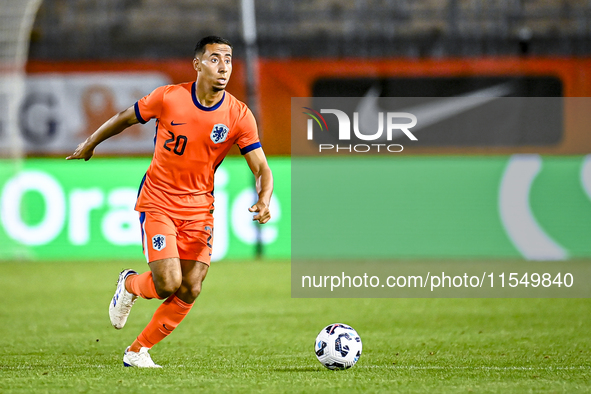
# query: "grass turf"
[246,334]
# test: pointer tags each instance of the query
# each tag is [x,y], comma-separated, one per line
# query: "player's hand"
[83,151]
[263,215]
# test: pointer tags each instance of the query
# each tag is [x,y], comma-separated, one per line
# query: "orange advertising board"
[280,80]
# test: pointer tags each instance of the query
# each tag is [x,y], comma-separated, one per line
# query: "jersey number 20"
[179,146]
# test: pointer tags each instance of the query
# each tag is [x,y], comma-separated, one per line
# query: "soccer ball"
[338,346]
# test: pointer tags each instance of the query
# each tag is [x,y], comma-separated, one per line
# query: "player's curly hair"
[200,47]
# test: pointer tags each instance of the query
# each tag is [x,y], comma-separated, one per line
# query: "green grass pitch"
[246,334]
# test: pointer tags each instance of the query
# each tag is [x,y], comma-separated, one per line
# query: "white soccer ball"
[338,346]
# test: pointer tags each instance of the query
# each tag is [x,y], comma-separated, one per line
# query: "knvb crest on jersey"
[219,133]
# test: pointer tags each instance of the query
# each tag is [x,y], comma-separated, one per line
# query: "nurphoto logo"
[391,119]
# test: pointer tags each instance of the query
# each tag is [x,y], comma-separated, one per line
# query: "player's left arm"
[264,184]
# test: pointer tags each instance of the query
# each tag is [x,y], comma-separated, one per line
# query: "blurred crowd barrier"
[466,204]
[66,101]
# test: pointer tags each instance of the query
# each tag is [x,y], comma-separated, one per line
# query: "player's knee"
[195,290]
[168,286]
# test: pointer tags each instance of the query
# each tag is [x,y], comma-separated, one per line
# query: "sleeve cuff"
[250,147]
[137,114]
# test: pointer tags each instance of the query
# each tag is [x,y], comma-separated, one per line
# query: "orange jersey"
[190,143]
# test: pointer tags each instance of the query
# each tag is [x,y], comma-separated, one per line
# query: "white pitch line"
[491,368]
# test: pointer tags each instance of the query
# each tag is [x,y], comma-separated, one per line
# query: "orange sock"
[142,285]
[166,318]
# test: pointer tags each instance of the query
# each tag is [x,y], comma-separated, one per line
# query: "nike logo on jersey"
[176,124]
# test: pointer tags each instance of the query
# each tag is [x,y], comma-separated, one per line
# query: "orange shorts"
[165,237]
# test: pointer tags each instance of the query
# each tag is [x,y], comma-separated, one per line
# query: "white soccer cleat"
[139,359]
[122,301]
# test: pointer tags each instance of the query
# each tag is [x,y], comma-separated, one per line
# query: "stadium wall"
[71,84]
[86,213]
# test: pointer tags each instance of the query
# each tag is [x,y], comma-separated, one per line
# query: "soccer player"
[196,125]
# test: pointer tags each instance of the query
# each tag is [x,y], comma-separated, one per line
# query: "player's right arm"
[111,127]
